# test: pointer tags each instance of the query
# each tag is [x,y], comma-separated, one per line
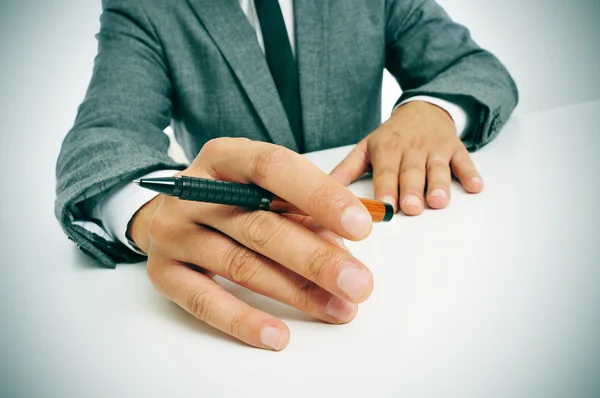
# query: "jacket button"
[495,123]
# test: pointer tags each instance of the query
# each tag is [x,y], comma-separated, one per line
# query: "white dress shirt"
[117,206]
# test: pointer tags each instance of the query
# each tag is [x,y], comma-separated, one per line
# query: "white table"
[496,296]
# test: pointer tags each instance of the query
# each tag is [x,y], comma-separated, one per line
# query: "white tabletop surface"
[496,296]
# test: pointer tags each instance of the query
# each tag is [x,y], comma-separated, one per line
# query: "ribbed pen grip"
[225,193]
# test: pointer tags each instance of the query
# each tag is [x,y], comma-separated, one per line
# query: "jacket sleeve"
[118,133]
[431,55]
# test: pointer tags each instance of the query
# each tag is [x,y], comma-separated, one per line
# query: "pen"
[243,195]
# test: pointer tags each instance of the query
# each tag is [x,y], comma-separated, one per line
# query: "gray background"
[47,49]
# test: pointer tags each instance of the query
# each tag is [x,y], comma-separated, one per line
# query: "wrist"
[137,230]
[426,110]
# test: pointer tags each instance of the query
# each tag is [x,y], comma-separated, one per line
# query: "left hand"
[418,145]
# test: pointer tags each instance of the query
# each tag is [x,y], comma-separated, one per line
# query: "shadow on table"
[84,261]
[178,315]
[281,311]
[270,306]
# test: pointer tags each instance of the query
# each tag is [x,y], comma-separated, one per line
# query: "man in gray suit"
[247,86]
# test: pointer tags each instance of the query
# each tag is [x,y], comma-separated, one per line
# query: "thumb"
[353,166]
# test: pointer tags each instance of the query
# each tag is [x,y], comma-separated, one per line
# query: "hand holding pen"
[243,195]
[297,260]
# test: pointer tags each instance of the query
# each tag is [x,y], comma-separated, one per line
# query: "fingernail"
[438,193]
[356,221]
[353,281]
[339,309]
[340,243]
[389,199]
[411,200]
[271,337]
[477,180]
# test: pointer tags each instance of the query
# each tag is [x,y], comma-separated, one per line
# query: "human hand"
[297,260]
[418,145]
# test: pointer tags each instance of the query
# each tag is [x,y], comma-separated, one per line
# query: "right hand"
[299,261]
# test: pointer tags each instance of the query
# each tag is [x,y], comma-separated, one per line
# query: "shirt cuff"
[457,112]
[118,206]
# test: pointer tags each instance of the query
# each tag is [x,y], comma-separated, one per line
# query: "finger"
[271,235]
[209,302]
[214,251]
[438,182]
[318,229]
[353,166]
[466,172]
[412,183]
[291,177]
[386,158]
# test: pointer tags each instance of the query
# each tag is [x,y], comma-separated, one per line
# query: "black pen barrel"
[224,192]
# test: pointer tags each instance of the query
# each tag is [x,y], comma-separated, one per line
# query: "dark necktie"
[282,64]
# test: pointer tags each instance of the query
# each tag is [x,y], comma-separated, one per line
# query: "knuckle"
[200,304]
[212,146]
[439,169]
[395,143]
[236,324]
[421,141]
[462,168]
[322,260]
[328,197]
[301,295]
[383,149]
[242,265]
[462,156]
[211,151]
[411,168]
[460,161]
[268,162]
[263,228]
[215,150]
[438,160]
[385,173]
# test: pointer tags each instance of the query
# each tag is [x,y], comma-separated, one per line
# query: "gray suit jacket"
[196,65]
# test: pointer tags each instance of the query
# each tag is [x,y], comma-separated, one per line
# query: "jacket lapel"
[311,18]
[229,28]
